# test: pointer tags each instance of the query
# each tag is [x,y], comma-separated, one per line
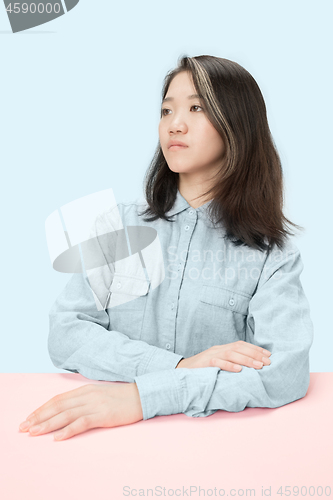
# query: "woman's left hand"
[85,408]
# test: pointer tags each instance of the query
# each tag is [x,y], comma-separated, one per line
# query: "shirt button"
[231,302]
[172,305]
[187,228]
[118,284]
[191,212]
[168,346]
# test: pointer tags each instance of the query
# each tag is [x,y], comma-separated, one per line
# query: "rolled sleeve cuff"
[177,391]
[161,393]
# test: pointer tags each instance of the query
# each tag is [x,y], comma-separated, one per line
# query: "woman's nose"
[177,125]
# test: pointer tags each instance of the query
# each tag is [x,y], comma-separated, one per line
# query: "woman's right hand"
[229,357]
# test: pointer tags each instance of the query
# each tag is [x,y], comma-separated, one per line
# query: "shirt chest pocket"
[127,304]
[223,311]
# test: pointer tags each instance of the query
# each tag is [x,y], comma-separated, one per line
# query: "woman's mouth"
[175,148]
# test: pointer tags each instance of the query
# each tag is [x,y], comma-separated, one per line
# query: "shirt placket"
[187,227]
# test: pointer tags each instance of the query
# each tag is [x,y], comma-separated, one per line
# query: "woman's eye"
[197,106]
[166,109]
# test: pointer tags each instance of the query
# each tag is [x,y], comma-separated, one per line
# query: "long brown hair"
[247,197]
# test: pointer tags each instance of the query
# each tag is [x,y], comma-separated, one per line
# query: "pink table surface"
[225,454]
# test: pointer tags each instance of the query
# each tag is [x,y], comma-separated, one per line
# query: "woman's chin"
[179,169]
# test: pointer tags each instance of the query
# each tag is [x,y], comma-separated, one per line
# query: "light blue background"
[80,100]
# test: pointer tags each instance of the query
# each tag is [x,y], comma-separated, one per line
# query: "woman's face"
[183,119]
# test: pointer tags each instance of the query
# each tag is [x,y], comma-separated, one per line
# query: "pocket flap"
[131,285]
[224,297]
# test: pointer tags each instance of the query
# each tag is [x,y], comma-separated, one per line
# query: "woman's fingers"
[55,406]
[248,348]
[253,361]
[63,419]
[242,354]
[54,417]
[57,400]
[246,356]
[81,424]
[71,422]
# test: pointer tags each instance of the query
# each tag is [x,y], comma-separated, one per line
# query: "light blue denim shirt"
[134,318]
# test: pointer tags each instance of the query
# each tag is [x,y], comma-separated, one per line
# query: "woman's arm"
[79,336]
[279,320]
[79,340]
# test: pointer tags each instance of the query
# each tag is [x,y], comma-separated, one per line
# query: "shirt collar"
[181,204]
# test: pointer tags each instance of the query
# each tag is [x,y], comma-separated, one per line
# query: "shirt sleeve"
[278,320]
[79,338]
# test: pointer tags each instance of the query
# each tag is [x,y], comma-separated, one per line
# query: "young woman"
[224,323]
